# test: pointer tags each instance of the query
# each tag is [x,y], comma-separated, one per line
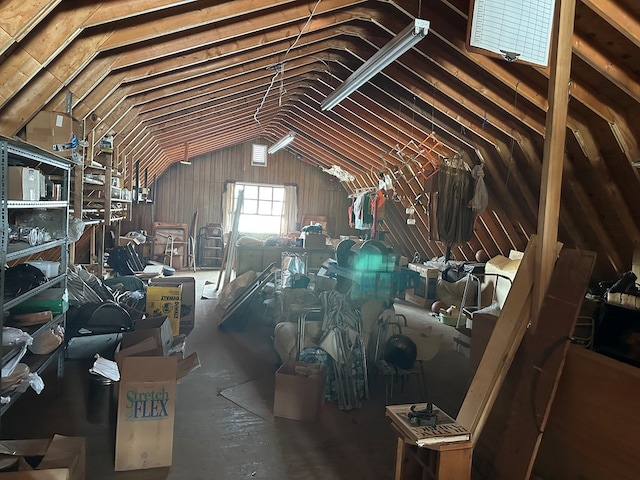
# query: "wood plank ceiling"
[175,78]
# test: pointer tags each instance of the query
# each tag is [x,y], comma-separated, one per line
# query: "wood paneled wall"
[183,189]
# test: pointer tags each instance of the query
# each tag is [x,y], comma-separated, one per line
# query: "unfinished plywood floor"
[224,428]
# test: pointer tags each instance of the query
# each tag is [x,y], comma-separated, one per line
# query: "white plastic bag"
[34,381]
[15,336]
[480,198]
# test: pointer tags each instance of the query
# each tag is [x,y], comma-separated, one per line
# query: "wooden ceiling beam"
[166,43]
[36,51]
[20,17]
[626,81]
[212,86]
[116,10]
[617,17]
[276,40]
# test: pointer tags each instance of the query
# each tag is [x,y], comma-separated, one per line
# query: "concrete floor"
[224,428]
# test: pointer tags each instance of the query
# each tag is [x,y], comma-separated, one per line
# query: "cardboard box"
[158,328]
[312,240]
[146,413]
[187,299]
[124,241]
[149,348]
[53,131]
[299,391]
[64,458]
[24,184]
[165,301]
[425,293]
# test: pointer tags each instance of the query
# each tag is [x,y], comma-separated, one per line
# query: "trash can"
[101,401]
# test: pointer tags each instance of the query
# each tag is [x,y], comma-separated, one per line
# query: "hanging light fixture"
[402,42]
[283,142]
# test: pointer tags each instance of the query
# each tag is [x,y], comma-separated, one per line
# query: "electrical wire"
[279,67]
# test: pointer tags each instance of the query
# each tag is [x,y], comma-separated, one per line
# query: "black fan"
[401,351]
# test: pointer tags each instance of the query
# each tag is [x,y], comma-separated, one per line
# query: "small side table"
[447,461]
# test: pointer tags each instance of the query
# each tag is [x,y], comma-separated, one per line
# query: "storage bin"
[49,268]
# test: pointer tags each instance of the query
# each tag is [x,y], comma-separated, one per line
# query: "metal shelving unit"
[16,152]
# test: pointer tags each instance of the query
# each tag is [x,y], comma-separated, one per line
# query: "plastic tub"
[50,269]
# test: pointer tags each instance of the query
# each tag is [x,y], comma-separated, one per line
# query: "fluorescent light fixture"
[185,162]
[402,42]
[283,142]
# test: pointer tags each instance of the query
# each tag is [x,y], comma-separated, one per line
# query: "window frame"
[256,211]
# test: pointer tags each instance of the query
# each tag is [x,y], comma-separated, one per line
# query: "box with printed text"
[165,301]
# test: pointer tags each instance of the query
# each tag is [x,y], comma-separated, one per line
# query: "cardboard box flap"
[188,365]
[147,347]
[26,448]
[158,327]
[51,474]
[67,453]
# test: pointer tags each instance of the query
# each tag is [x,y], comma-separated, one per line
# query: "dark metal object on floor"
[101,400]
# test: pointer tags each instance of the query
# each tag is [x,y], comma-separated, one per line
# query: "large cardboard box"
[158,328]
[165,301]
[146,413]
[299,391]
[24,184]
[187,299]
[64,458]
[53,131]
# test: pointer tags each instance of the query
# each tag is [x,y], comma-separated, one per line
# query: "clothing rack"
[361,191]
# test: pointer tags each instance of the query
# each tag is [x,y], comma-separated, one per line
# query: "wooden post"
[553,156]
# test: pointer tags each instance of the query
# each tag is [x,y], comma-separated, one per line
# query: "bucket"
[101,401]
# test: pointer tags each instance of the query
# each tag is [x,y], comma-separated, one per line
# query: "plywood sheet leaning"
[594,425]
[503,344]
[540,360]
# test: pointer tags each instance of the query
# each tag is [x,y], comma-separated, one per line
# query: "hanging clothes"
[351,215]
[357,212]
[480,198]
[377,208]
[454,216]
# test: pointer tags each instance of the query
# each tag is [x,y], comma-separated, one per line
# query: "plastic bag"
[480,198]
[34,381]
[76,227]
[15,336]
[49,222]
[10,366]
